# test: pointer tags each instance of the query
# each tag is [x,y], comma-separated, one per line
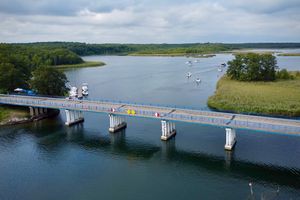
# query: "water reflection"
[51,145]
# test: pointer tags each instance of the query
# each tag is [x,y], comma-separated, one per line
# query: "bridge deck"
[267,124]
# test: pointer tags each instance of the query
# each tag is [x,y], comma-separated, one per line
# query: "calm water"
[47,160]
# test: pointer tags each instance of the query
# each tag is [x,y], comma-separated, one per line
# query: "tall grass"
[280,98]
[81,65]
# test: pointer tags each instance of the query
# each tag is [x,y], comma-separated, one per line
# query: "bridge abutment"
[116,123]
[230,139]
[168,129]
[73,117]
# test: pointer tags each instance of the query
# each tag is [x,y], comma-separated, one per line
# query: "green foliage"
[49,81]
[252,67]
[280,98]
[11,78]
[18,61]
[152,49]
[3,114]
[284,75]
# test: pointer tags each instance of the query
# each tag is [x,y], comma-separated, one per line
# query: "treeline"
[17,62]
[84,49]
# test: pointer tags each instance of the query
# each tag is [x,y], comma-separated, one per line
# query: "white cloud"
[156,21]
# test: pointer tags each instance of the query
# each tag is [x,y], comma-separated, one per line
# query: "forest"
[18,62]
[84,49]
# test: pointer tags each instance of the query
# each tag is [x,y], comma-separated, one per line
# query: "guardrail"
[204,117]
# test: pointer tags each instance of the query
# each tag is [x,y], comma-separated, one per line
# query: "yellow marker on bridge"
[130,112]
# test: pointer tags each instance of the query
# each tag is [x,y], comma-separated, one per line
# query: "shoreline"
[173,55]
[85,64]
[257,98]
[289,54]
[13,115]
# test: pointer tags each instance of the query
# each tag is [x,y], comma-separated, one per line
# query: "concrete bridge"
[168,116]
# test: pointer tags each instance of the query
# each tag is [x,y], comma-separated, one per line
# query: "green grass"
[81,65]
[8,112]
[279,98]
[173,55]
[289,54]
[4,113]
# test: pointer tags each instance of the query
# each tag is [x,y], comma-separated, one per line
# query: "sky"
[150,21]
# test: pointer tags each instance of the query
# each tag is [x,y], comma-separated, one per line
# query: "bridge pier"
[230,139]
[34,111]
[168,129]
[73,117]
[116,123]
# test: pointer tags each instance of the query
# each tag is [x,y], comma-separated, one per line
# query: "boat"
[198,80]
[196,61]
[223,65]
[189,74]
[188,62]
[73,93]
[85,89]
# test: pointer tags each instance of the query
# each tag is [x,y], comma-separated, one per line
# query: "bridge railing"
[210,118]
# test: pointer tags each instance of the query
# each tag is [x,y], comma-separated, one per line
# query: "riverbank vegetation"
[84,49]
[288,54]
[253,84]
[280,98]
[81,65]
[17,63]
[252,67]
[49,81]
[12,112]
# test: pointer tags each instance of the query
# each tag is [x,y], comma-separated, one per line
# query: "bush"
[284,75]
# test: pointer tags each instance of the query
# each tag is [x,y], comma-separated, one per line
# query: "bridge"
[168,116]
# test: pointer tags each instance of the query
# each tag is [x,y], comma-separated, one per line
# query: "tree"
[10,78]
[253,67]
[49,81]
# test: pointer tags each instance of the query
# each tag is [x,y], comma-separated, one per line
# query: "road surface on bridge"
[222,119]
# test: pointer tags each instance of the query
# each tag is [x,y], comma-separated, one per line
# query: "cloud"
[132,21]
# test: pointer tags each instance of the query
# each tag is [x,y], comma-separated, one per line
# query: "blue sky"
[150,21]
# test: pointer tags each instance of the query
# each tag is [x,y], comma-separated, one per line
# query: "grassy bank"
[280,98]
[289,54]
[173,55]
[81,65]
[9,112]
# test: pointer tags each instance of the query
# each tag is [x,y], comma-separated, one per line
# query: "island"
[257,89]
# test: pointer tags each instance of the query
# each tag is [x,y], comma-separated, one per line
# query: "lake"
[47,160]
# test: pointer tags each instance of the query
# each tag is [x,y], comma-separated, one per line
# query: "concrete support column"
[68,117]
[31,110]
[116,123]
[168,130]
[36,111]
[230,138]
[41,110]
[73,117]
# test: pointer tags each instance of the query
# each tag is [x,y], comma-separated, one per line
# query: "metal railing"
[197,116]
